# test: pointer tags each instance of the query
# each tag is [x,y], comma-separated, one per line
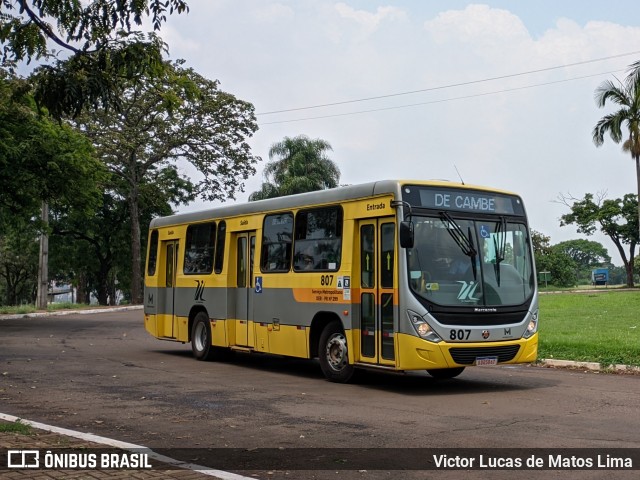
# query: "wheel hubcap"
[336,352]
[200,336]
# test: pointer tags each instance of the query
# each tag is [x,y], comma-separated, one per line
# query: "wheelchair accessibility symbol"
[484,231]
[258,284]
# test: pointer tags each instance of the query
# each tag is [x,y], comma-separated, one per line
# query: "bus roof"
[333,195]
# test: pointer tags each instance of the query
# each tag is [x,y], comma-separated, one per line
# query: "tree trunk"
[112,289]
[82,296]
[136,270]
[103,287]
[637,159]
[630,274]
[43,265]
[629,269]
[12,291]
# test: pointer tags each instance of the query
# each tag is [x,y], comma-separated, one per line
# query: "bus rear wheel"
[334,355]
[201,337]
[444,373]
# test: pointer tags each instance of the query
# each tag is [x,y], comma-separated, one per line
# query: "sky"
[500,91]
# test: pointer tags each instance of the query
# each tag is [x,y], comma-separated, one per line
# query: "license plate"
[485,361]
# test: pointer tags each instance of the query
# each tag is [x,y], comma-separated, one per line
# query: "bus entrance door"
[245,253]
[378,303]
[167,295]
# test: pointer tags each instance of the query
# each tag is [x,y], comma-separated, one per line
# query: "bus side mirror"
[406,234]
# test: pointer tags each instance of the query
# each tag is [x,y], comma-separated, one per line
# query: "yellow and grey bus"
[388,275]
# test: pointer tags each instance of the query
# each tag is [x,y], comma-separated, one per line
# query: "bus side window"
[318,240]
[277,235]
[198,252]
[219,258]
[367,258]
[153,253]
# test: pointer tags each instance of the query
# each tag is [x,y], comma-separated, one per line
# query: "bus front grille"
[477,319]
[467,356]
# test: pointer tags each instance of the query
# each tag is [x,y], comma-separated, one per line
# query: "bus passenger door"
[245,254]
[378,303]
[167,294]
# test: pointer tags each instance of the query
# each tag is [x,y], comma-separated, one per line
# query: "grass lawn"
[599,327]
[22,309]
[15,427]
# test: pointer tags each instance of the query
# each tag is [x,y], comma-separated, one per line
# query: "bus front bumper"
[419,354]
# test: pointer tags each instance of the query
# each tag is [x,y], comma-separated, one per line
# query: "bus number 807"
[459,334]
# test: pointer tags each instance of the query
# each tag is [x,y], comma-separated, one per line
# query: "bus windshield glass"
[483,262]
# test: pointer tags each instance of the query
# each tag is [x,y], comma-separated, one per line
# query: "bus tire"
[333,354]
[444,373]
[201,337]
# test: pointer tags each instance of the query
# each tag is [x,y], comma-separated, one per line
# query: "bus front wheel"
[333,354]
[443,373]
[201,337]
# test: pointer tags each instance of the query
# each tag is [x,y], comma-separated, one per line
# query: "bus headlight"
[422,327]
[533,325]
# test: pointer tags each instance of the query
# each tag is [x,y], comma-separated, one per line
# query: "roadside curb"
[90,440]
[57,313]
[591,366]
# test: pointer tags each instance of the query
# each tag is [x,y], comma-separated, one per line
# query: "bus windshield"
[463,262]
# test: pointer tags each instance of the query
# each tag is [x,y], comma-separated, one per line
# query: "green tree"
[617,275]
[18,263]
[297,165]
[548,259]
[93,253]
[38,157]
[627,96]
[586,255]
[541,243]
[561,267]
[100,37]
[617,219]
[181,116]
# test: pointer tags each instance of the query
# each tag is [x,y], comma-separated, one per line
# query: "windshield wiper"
[465,243]
[474,267]
[500,245]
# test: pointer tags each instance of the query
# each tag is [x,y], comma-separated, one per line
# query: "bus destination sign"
[463,200]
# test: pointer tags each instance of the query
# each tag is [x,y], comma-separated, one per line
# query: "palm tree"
[627,95]
[297,165]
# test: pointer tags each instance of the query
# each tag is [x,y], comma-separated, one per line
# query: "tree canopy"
[177,117]
[38,156]
[616,218]
[100,44]
[552,260]
[298,165]
[586,253]
[624,122]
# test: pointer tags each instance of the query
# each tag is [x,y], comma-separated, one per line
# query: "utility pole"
[43,263]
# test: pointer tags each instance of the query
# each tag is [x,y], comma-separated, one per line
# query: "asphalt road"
[102,373]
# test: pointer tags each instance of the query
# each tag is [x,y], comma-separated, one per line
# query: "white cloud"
[477,24]
[368,21]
